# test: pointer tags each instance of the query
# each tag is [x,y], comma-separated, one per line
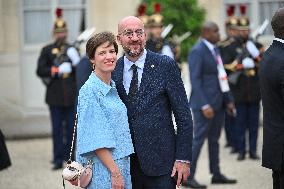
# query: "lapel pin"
[152,66]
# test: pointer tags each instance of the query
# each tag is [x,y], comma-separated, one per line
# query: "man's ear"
[118,39]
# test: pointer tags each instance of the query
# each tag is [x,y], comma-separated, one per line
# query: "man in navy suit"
[151,87]
[271,75]
[210,94]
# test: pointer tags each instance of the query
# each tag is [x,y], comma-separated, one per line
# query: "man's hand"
[208,112]
[182,170]
[231,109]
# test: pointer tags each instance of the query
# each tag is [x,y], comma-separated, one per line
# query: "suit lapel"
[209,55]
[148,75]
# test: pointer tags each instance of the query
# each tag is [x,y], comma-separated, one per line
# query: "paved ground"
[32,168]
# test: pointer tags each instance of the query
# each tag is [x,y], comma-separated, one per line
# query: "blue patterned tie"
[133,89]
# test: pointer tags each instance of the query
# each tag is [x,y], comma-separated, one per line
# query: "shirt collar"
[102,86]
[139,63]
[209,45]
[278,39]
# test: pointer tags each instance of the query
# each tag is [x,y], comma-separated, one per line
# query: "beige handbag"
[74,172]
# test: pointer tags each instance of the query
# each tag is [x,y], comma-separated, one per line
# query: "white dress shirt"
[128,73]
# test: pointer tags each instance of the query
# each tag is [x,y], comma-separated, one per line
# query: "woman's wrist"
[115,172]
[116,175]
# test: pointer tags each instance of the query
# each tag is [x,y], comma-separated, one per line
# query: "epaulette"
[226,42]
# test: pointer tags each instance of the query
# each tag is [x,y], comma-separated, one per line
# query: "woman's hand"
[117,181]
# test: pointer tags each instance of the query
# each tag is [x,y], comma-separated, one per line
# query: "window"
[39,16]
[267,10]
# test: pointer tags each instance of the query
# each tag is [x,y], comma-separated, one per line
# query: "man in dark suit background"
[151,87]
[5,160]
[83,71]
[210,94]
[271,76]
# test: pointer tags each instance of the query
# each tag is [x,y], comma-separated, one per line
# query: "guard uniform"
[246,90]
[57,70]
[230,49]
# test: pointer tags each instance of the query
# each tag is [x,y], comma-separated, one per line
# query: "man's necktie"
[216,54]
[133,90]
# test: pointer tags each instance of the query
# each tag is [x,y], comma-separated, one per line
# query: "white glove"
[65,67]
[254,52]
[248,63]
[73,55]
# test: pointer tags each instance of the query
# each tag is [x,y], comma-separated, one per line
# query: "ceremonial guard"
[141,14]
[245,87]
[230,49]
[56,68]
[156,42]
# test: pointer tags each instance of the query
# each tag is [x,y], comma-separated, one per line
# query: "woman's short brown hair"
[98,39]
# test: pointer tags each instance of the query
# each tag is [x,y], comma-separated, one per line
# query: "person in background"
[246,91]
[271,78]
[210,92]
[151,87]
[229,49]
[56,67]
[103,135]
[155,41]
[141,14]
[5,160]
[83,71]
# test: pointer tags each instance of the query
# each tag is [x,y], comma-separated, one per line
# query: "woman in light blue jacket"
[103,134]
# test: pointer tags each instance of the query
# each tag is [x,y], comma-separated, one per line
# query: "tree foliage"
[185,15]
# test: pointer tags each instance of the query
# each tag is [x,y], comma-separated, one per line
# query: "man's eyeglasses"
[130,33]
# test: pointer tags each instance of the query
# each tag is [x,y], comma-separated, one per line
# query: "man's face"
[232,32]
[156,31]
[244,34]
[132,37]
[213,34]
[60,37]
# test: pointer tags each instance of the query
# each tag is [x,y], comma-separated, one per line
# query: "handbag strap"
[73,138]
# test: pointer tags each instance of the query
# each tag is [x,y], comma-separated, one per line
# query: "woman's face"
[105,58]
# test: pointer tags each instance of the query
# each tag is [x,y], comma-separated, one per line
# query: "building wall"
[103,16]
[214,12]
[9,58]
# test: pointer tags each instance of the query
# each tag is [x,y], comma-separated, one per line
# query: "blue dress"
[103,123]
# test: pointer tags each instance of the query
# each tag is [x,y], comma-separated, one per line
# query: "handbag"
[74,172]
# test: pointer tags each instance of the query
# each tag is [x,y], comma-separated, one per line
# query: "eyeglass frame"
[132,33]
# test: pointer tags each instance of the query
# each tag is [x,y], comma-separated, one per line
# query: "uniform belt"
[250,72]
